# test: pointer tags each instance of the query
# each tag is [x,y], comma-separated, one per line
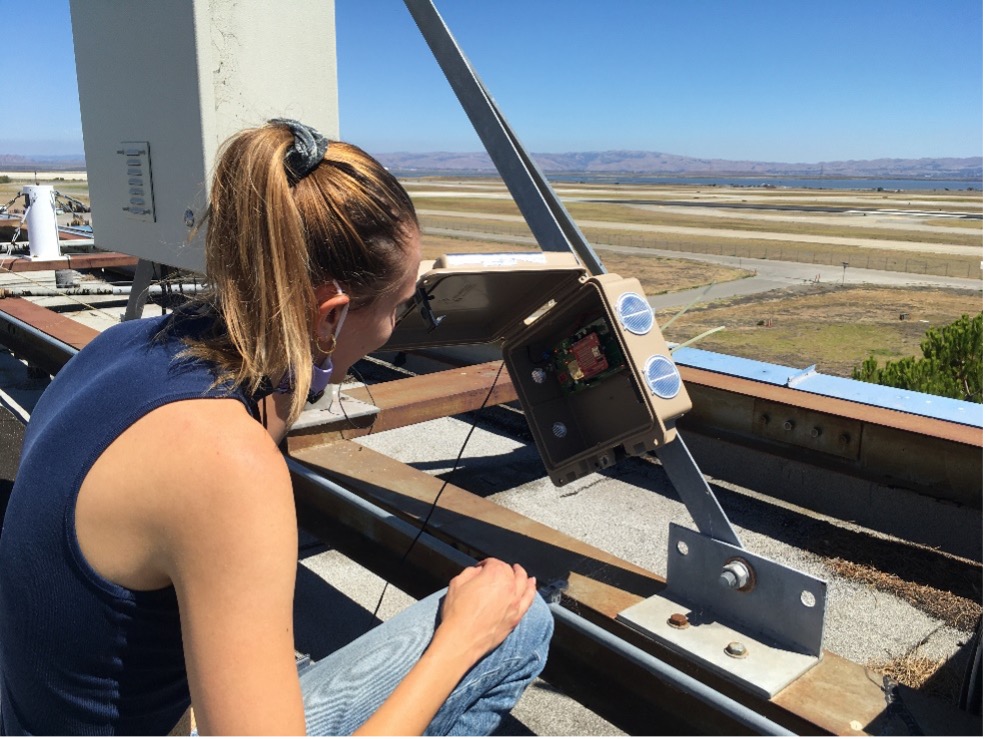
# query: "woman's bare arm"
[221,526]
[231,550]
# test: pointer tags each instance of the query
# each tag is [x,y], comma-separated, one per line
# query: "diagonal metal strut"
[554,230]
[552,226]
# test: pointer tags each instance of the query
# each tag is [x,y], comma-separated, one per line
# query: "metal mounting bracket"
[763,634]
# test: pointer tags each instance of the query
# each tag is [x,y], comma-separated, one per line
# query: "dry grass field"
[835,327]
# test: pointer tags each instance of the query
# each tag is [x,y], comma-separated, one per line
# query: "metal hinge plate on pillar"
[762,636]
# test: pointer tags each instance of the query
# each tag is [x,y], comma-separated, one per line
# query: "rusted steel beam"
[64,336]
[931,457]
[945,430]
[414,400]
[871,444]
[95,260]
[835,697]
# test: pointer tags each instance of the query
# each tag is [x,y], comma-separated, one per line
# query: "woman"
[149,549]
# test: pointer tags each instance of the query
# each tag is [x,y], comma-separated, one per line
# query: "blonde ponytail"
[272,238]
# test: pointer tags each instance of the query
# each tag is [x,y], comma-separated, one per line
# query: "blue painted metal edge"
[809,381]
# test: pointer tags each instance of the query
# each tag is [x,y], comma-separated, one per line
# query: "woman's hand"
[484,603]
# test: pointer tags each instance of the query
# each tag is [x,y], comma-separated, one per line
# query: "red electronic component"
[590,357]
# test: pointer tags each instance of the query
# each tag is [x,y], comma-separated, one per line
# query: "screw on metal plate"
[678,621]
[788,425]
[816,432]
[736,650]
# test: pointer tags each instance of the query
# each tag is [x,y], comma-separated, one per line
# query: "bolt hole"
[682,548]
[807,599]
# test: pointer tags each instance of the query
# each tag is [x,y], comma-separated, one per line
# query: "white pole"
[42,227]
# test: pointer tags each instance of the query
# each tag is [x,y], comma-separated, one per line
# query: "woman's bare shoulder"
[219,455]
[189,475]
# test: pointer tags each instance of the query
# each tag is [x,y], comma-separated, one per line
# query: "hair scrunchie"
[308,148]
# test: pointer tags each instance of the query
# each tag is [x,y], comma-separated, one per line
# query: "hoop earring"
[318,345]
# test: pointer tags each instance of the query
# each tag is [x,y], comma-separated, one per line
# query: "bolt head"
[678,621]
[736,649]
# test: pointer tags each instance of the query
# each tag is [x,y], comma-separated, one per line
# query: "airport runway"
[769,274]
[922,247]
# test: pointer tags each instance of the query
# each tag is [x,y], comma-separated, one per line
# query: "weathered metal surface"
[414,400]
[933,458]
[45,338]
[759,666]
[807,429]
[936,458]
[945,430]
[96,260]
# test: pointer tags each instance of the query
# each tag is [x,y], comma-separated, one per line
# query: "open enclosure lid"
[481,298]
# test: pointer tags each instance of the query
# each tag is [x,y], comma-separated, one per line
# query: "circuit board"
[587,357]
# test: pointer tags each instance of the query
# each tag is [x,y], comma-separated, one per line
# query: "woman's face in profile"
[368,328]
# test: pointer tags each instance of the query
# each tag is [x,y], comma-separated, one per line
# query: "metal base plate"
[780,605]
[332,410]
[765,670]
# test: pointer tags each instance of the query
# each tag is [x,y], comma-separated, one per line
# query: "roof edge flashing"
[844,388]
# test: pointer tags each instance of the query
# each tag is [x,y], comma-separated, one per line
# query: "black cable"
[434,503]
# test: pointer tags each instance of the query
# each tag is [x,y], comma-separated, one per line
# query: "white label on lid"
[499,259]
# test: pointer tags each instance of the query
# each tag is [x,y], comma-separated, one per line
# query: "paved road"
[770,274]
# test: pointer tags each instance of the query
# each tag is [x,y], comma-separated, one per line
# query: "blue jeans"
[342,690]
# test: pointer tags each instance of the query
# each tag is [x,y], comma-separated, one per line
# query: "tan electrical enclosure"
[163,83]
[592,371]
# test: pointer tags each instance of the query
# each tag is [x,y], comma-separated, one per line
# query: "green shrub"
[951,365]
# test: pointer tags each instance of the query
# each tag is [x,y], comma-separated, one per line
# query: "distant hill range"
[620,162]
[658,163]
[42,163]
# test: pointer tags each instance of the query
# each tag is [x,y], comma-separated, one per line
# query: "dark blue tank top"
[79,654]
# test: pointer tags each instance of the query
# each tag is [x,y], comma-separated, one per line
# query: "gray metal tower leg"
[138,294]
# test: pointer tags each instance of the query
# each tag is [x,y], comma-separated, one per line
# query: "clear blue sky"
[776,80]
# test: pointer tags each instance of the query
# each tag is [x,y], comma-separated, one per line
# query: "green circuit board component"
[587,357]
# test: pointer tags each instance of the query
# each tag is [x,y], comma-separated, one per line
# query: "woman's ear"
[330,306]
